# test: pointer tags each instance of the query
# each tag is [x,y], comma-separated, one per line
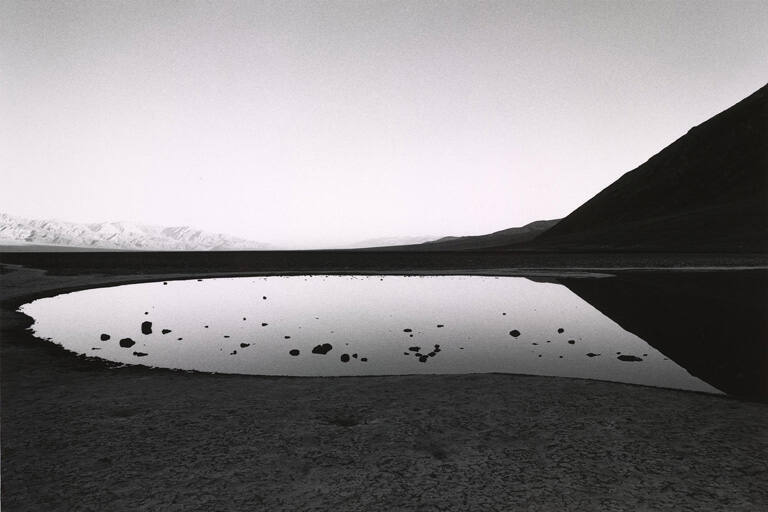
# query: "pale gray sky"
[313,124]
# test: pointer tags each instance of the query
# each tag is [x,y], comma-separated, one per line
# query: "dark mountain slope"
[493,240]
[707,191]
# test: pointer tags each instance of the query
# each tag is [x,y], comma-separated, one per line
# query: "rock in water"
[146,327]
[322,349]
[127,343]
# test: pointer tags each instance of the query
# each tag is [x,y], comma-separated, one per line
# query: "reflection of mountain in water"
[713,324]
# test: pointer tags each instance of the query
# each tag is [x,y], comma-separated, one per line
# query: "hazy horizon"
[322,124]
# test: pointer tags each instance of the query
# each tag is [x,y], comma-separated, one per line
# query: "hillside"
[707,191]
[494,240]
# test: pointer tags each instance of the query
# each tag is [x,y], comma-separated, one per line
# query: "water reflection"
[713,324]
[367,325]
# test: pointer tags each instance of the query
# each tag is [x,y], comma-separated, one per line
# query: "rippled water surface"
[355,325]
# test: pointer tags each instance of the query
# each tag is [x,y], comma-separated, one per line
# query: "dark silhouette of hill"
[707,191]
[493,240]
[713,324]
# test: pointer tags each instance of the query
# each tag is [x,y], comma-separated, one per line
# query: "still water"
[355,325]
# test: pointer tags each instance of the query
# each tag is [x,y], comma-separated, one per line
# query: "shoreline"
[79,434]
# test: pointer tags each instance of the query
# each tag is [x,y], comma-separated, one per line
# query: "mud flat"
[80,434]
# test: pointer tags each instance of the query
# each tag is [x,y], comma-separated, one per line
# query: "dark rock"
[140,354]
[294,352]
[431,354]
[514,333]
[233,353]
[287,337]
[179,339]
[440,326]
[264,297]
[364,359]
[407,330]
[423,359]
[146,327]
[560,330]
[344,358]
[571,342]
[243,345]
[354,356]
[104,337]
[322,349]
[592,354]
[165,282]
[166,331]
[414,349]
[264,324]
[629,358]
[127,342]
[226,336]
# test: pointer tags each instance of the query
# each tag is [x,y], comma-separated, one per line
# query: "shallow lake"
[324,325]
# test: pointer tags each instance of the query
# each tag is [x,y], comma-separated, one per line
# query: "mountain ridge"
[27,232]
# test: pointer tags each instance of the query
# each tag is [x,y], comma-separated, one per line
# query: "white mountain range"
[17,231]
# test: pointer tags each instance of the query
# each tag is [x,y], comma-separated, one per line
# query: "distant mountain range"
[34,234]
[705,192]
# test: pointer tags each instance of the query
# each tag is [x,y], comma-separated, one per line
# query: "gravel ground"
[79,435]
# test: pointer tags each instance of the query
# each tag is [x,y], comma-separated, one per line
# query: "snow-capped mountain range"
[116,236]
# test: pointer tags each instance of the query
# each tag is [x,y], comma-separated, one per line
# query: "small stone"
[560,330]
[127,342]
[592,354]
[571,342]
[344,358]
[364,359]
[629,358]
[414,349]
[166,331]
[140,354]
[243,345]
[439,326]
[514,333]
[407,330]
[294,352]
[264,324]
[146,327]
[104,337]
[322,349]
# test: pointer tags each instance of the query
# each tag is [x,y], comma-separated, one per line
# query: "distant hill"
[388,241]
[19,233]
[707,191]
[494,240]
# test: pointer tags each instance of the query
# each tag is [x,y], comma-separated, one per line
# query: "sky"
[321,123]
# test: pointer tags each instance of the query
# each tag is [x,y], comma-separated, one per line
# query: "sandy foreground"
[79,435]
